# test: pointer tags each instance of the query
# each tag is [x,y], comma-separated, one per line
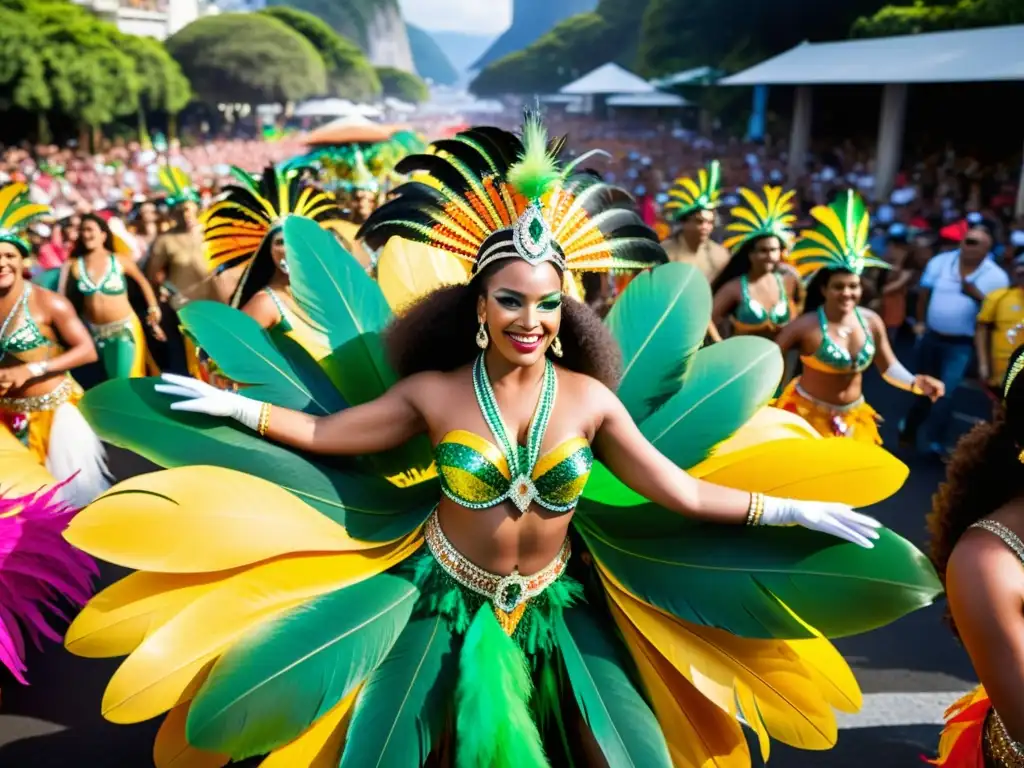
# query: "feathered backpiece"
[687,196]
[839,241]
[177,186]
[771,216]
[1016,366]
[492,195]
[236,225]
[358,177]
[16,213]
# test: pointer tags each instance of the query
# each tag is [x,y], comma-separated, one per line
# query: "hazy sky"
[483,16]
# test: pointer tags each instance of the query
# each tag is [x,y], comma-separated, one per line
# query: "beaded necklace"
[521,459]
[21,303]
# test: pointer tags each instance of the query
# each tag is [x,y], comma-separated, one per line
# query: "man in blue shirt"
[952,288]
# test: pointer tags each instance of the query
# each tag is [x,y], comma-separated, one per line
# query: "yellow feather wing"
[348,231]
[408,271]
[163,670]
[119,618]
[767,676]
[321,745]
[699,734]
[21,474]
[200,519]
[843,471]
[172,750]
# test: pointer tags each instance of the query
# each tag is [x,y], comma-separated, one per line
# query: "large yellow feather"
[766,672]
[119,618]
[348,231]
[699,734]
[200,519]
[843,471]
[321,745]
[22,473]
[161,673]
[172,750]
[408,271]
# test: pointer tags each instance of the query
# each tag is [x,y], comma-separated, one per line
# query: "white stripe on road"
[899,709]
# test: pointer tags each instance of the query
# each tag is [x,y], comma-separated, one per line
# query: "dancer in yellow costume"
[837,339]
[41,341]
[562,592]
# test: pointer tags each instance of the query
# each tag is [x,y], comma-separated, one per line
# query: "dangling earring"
[283,266]
[482,340]
[556,347]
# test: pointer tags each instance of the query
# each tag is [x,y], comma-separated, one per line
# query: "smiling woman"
[550,586]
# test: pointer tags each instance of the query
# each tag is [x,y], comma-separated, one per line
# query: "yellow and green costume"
[839,242]
[306,608]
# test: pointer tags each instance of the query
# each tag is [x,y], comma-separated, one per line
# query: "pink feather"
[37,569]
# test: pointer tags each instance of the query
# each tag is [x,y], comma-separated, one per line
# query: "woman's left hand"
[153,321]
[930,387]
[826,517]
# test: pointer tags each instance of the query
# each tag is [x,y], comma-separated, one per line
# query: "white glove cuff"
[898,376]
[779,511]
[247,412]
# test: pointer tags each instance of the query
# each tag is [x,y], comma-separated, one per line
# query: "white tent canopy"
[326,108]
[963,56]
[608,79]
[648,100]
[697,75]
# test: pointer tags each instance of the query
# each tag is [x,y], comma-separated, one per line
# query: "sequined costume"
[314,609]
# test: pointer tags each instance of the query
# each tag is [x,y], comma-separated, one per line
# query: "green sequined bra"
[477,474]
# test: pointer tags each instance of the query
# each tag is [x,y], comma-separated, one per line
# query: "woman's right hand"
[202,398]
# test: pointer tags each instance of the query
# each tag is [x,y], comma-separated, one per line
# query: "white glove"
[202,398]
[827,517]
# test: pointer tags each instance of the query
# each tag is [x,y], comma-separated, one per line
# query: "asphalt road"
[909,671]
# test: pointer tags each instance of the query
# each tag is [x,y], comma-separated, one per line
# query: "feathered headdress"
[1016,366]
[687,196]
[359,177]
[492,195]
[839,241]
[16,213]
[177,186]
[769,217]
[236,225]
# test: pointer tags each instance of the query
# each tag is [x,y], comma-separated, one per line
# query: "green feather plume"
[494,723]
[537,169]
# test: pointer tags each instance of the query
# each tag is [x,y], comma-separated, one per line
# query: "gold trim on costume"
[107,331]
[508,594]
[51,401]
[1000,748]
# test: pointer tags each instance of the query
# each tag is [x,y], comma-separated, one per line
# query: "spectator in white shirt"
[952,288]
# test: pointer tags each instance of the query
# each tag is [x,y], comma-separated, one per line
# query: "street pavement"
[909,671]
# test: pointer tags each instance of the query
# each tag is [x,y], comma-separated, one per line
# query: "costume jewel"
[839,241]
[17,211]
[487,195]
[770,216]
[482,339]
[687,196]
[556,347]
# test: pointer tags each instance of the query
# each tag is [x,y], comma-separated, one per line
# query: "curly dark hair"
[438,334]
[79,249]
[983,474]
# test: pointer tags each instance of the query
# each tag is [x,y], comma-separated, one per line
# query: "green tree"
[351,18]
[402,85]
[248,58]
[349,72]
[936,17]
[163,86]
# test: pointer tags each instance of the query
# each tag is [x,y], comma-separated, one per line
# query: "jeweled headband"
[487,194]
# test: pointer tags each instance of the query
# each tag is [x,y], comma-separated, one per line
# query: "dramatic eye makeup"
[551,302]
[513,300]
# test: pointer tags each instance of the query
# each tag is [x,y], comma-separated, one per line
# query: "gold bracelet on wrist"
[756,509]
[264,423]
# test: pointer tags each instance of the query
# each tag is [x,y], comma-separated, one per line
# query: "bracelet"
[152,311]
[264,422]
[756,509]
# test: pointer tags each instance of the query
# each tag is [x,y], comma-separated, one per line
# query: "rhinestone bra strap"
[492,416]
[1010,539]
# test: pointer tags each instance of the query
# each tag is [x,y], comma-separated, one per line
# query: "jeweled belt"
[1000,746]
[505,592]
[829,406]
[51,401]
[107,331]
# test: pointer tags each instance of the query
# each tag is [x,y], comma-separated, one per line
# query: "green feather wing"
[685,567]
[339,297]
[725,384]
[660,322]
[403,706]
[270,687]
[621,721]
[129,414]
[246,354]
[48,279]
